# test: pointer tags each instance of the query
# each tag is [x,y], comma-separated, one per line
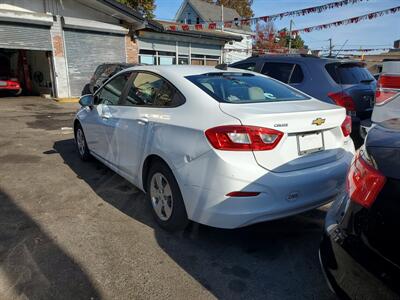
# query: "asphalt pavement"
[75,230]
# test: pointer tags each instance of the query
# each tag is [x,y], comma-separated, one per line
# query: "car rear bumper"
[281,194]
[340,261]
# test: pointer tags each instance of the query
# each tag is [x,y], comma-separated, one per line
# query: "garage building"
[52,47]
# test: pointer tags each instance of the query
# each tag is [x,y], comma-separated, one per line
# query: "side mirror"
[87,100]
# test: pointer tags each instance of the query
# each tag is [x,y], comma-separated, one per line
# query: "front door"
[103,120]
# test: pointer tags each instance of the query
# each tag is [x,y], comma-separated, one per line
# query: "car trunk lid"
[312,132]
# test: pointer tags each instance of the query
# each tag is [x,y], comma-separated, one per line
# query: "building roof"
[209,12]
[204,33]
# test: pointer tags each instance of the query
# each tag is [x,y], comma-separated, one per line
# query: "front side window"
[244,88]
[111,92]
[151,90]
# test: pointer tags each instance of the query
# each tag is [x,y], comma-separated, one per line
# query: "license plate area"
[310,142]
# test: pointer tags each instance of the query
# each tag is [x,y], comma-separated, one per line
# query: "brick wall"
[132,50]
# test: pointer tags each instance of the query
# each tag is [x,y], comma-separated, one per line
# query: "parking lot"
[74,230]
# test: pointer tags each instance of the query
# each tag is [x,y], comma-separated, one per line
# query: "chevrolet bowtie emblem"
[318,121]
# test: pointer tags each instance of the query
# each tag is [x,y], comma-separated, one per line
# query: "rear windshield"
[349,73]
[244,88]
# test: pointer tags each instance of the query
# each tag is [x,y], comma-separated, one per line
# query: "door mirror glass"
[87,100]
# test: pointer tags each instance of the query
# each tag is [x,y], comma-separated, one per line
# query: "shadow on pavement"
[275,260]
[32,265]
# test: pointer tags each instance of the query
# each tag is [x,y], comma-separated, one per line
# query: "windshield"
[244,88]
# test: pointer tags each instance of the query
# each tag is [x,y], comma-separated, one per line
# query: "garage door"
[86,50]
[24,36]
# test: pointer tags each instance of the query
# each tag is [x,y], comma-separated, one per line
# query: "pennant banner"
[353,20]
[252,21]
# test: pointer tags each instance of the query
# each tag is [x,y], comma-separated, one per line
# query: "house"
[200,12]
[196,47]
[54,46]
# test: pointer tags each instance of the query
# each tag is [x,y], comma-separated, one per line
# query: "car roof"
[183,70]
[295,57]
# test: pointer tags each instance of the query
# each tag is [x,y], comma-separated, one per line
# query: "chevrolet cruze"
[219,146]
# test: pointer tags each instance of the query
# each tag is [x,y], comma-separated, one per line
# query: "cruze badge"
[318,121]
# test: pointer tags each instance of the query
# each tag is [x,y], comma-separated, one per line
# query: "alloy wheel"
[161,196]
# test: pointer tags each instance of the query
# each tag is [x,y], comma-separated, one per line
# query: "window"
[166,58]
[147,57]
[245,66]
[189,21]
[197,20]
[349,73]
[285,72]
[111,92]
[151,90]
[244,88]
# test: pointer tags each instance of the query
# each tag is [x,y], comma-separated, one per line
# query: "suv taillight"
[346,126]
[364,181]
[387,87]
[243,138]
[344,100]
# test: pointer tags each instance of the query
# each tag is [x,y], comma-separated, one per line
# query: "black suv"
[102,73]
[343,82]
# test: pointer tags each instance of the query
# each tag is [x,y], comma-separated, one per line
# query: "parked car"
[101,74]
[222,147]
[360,250]
[9,85]
[340,81]
[388,88]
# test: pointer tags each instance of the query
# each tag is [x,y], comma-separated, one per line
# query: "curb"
[66,100]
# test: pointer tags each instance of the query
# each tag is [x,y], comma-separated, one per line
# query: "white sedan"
[219,146]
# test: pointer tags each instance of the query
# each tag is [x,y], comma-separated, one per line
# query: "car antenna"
[223,67]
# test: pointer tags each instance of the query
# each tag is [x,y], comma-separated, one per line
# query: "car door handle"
[106,116]
[143,121]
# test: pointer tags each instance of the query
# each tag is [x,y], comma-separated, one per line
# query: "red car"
[11,86]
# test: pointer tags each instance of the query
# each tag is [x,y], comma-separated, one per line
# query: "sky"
[375,33]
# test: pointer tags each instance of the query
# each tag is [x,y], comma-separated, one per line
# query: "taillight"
[344,100]
[243,138]
[346,126]
[386,88]
[364,181]
[389,81]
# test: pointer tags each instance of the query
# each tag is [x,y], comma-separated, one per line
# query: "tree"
[243,7]
[145,7]
[297,41]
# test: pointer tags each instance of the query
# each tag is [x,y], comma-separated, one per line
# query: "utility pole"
[290,36]
[330,47]
[222,17]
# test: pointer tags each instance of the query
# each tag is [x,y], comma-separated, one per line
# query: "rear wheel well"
[151,159]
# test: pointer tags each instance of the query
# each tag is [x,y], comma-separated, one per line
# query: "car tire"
[81,144]
[165,198]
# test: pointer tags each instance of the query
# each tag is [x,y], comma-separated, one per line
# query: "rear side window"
[348,73]
[285,72]
[244,88]
[245,66]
